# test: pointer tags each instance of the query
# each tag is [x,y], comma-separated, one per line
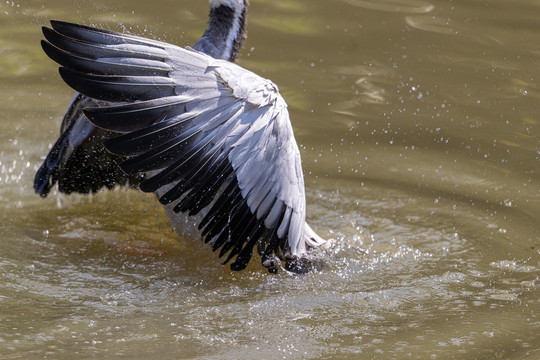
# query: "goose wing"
[211,134]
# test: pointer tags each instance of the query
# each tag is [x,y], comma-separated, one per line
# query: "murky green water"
[419,128]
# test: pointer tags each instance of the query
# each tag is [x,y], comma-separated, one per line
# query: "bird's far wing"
[211,133]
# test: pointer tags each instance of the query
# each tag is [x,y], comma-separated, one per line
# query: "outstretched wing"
[212,135]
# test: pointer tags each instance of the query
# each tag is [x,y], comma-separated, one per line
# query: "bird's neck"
[226,30]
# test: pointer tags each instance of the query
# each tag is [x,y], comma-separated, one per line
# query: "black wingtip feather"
[245,253]
[100,36]
[49,33]
[47,175]
[118,88]
[44,180]
[136,116]
[62,57]
[212,223]
[240,226]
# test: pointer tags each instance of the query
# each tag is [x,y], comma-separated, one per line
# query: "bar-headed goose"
[211,139]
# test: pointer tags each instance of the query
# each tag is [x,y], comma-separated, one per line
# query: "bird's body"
[210,138]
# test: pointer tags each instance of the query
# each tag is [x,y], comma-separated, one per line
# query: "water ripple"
[398,6]
[431,23]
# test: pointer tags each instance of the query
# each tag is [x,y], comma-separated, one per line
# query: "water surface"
[419,130]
